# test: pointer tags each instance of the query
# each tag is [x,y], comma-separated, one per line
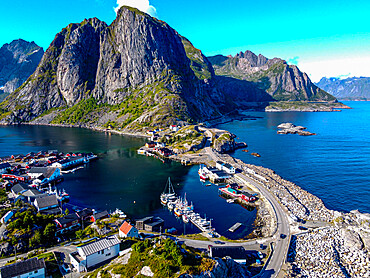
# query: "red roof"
[125,227]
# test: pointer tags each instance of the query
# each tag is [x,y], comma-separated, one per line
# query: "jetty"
[235,227]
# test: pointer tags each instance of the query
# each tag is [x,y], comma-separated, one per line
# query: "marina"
[185,211]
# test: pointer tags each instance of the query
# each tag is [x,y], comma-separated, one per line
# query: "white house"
[44,174]
[127,230]
[174,128]
[225,167]
[34,268]
[95,253]
[46,202]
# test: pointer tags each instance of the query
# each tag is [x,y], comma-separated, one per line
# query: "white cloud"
[142,5]
[348,67]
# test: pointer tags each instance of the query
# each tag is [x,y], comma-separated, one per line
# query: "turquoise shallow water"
[123,179]
[334,165]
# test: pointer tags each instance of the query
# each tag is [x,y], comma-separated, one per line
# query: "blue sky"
[324,38]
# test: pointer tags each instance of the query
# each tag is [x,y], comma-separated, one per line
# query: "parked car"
[282,236]
[303,228]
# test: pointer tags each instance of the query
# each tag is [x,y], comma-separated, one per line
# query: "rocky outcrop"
[352,88]
[136,67]
[289,128]
[272,76]
[222,268]
[224,143]
[18,60]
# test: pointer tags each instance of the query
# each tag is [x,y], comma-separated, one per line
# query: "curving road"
[280,248]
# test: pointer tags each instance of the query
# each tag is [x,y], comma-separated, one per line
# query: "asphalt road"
[280,247]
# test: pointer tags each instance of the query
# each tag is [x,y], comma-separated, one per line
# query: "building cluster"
[300,203]
[326,253]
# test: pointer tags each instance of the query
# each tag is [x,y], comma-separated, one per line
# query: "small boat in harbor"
[120,213]
[202,173]
[168,193]
[185,218]
[230,201]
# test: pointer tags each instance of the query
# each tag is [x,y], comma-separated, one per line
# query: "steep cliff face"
[352,88]
[132,73]
[18,60]
[274,76]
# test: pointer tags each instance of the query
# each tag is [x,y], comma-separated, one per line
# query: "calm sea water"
[334,165]
[123,179]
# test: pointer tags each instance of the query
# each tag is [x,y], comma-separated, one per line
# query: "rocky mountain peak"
[18,60]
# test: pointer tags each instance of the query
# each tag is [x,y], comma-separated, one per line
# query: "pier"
[235,227]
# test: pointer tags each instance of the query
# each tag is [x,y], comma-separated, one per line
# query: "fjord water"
[333,165]
[123,179]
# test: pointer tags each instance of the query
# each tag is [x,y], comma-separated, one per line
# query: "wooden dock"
[235,227]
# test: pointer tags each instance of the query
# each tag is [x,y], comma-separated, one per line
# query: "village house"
[32,193]
[17,176]
[85,214]
[150,224]
[150,144]
[67,222]
[69,162]
[99,215]
[4,167]
[47,205]
[237,253]
[43,175]
[164,152]
[174,128]
[127,230]
[34,268]
[95,253]
[19,188]
[225,167]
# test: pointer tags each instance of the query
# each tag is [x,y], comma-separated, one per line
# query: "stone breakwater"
[300,203]
[326,253]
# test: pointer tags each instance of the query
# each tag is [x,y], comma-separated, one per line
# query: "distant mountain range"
[281,81]
[352,88]
[18,60]
[140,72]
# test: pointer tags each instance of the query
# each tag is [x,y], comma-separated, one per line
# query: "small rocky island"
[289,128]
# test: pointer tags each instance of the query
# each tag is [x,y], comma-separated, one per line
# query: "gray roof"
[20,268]
[32,192]
[47,201]
[17,188]
[99,245]
[5,165]
[45,171]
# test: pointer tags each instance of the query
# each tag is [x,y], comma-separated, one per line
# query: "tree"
[36,239]
[66,212]
[79,234]
[49,233]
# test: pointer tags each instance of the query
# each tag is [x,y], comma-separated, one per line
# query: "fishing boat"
[168,192]
[202,173]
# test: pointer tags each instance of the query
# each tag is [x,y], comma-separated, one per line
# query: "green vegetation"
[299,105]
[78,113]
[198,64]
[39,229]
[165,259]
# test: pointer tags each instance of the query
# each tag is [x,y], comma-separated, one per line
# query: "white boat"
[120,213]
[168,192]
[230,201]
[170,205]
